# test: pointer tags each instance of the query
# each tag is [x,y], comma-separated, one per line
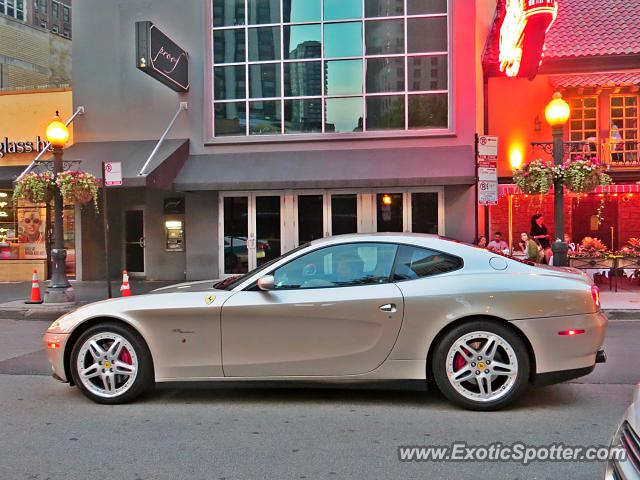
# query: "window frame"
[582,131]
[393,271]
[408,131]
[622,130]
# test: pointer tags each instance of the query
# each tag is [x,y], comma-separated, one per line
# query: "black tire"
[440,359]
[144,378]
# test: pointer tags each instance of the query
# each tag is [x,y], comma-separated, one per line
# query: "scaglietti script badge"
[160,57]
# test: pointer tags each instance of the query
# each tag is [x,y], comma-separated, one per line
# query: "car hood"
[633,412]
[199,286]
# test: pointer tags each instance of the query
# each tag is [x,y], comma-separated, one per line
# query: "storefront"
[25,228]
[304,119]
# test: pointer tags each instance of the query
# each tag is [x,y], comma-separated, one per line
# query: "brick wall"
[628,216]
[524,207]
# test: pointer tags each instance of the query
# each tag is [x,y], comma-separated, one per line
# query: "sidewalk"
[617,305]
[14,294]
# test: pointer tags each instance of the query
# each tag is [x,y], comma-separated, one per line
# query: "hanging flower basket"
[35,188]
[581,175]
[78,187]
[534,178]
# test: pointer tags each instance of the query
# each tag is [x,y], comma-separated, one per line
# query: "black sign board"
[174,206]
[159,56]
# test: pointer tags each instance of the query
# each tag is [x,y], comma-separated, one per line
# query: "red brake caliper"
[125,356]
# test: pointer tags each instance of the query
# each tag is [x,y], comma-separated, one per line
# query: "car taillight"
[595,293]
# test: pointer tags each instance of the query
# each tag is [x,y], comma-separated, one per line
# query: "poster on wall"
[31,232]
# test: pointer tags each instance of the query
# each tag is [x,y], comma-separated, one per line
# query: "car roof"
[377,237]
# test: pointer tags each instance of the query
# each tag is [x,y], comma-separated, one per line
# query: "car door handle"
[388,307]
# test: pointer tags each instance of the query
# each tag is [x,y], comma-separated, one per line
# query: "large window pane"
[427,35]
[385,113]
[343,40]
[383,8]
[428,73]
[227,13]
[424,7]
[264,11]
[389,212]
[230,119]
[424,212]
[428,111]
[385,75]
[264,44]
[264,80]
[264,118]
[344,214]
[344,77]
[229,82]
[384,37]
[342,9]
[228,46]
[303,116]
[302,41]
[302,79]
[343,115]
[295,11]
[310,218]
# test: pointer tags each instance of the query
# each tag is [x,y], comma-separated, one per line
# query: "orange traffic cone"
[35,289]
[125,288]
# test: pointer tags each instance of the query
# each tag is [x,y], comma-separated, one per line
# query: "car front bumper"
[55,345]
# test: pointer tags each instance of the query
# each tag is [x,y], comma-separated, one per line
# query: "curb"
[622,314]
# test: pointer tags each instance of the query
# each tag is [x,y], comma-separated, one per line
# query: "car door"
[333,311]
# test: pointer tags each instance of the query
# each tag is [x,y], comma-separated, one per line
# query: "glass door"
[251,231]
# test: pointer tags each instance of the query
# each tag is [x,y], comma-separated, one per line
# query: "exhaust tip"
[601,356]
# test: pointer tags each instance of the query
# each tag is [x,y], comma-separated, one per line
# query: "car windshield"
[232,282]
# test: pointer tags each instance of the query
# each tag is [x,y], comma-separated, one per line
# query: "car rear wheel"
[481,365]
[111,364]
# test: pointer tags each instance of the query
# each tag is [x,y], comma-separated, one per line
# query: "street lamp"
[58,291]
[557,113]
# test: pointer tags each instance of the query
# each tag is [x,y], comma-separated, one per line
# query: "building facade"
[35,44]
[305,119]
[595,68]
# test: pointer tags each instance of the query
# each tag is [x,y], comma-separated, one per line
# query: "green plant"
[535,177]
[34,187]
[78,187]
[582,175]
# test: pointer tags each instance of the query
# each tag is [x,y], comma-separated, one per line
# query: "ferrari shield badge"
[209,299]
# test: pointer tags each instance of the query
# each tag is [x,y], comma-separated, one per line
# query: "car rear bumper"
[555,353]
[54,345]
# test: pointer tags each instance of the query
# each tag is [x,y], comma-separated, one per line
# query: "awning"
[510,189]
[162,171]
[629,78]
[382,167]
[8,174]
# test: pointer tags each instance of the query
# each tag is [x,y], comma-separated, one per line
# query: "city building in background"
[594,62]
[306,118]
[35,44]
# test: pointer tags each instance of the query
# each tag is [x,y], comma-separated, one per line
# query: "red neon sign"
[522,35]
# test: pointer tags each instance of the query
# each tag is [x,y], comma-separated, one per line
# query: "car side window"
[416,262]
[338,266]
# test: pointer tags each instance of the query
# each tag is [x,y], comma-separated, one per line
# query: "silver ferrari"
[480,326]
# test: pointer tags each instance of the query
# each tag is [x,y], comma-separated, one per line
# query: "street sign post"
[111,177]
[487,164]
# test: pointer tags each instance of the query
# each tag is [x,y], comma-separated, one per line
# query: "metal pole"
[105,223]
[57,291]
[558,247]
[510,224]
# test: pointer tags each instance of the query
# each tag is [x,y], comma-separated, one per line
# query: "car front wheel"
[481,365]
[111,364]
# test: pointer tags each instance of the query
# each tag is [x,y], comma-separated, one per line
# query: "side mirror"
[266,283]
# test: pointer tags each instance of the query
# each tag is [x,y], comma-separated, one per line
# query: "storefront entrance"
[134,242]
[256,227]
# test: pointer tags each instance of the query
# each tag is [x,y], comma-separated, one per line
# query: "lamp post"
[58,291]
[557,113]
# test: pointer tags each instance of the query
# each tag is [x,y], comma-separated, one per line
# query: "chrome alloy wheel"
[482,366]
[107,364]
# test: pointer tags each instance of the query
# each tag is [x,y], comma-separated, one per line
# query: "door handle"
[388,307]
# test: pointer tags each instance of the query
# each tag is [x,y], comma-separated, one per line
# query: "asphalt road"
[248,431]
